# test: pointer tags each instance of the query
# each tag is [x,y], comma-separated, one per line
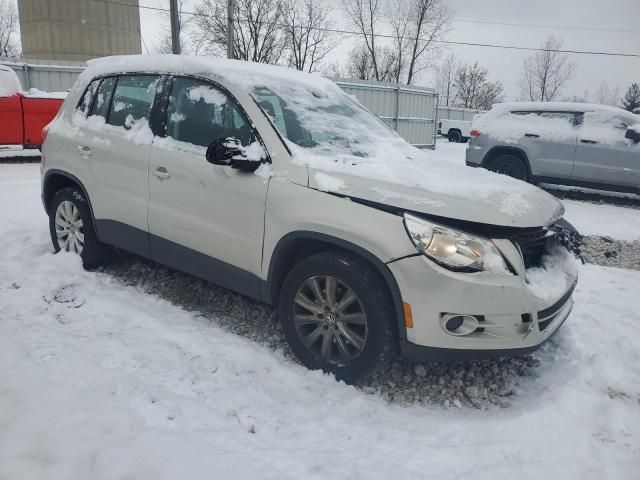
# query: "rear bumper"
[474,154]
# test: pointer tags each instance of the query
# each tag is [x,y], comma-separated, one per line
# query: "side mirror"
[222,151]
[633,134]
[229,152]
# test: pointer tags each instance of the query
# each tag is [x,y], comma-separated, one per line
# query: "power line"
[381,35]
[533,25]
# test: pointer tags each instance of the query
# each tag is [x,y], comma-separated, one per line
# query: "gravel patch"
[608,252]
[597,197]
[480,384]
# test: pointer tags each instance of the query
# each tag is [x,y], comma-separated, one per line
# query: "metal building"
[78,29]
[409,110]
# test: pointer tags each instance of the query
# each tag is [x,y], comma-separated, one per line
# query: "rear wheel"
[71,228]
[509,165]
[336,314]
[454,136]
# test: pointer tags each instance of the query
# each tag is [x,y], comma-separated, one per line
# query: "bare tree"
[258,35]
[546,72]
[474,90]
[307,26]
[445,74]
[607,95]
[9,44]
[575,98]
[360,64]
[430,20]
[415,26]
[365,16]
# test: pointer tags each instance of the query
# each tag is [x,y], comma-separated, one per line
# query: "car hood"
[473,195]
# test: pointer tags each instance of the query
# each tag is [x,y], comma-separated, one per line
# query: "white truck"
[455,130]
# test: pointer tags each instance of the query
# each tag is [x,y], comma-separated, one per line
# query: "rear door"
[205,219]
[549,139]
[115,143]
[604,155]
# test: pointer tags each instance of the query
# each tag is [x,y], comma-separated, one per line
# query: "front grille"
[533,245]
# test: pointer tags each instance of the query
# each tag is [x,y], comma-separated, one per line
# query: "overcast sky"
[596,25]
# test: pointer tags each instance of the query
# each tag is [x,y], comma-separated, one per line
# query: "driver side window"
[200,114]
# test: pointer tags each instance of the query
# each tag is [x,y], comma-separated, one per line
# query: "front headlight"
[453,249]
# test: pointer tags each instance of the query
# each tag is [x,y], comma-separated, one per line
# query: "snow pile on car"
[554,122]
[341,136]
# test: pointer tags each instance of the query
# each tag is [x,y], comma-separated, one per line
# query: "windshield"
[329,123]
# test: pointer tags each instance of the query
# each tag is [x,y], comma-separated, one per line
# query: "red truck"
[23,115]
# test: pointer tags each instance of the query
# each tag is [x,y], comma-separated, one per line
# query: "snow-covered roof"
[554,107]
[200,65]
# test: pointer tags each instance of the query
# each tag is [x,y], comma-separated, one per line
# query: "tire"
[93,252]
[509,165]
[348,358]
[454,136]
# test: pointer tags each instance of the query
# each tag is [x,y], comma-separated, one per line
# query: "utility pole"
[175,27]
[229,28]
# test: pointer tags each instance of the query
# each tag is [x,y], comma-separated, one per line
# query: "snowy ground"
[101,380]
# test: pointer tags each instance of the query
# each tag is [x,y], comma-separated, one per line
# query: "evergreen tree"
[631,100]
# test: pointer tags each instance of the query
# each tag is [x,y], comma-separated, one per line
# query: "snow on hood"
[350,151]
[438,188]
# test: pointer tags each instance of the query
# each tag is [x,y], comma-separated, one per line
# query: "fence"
[409,110]
[452,113]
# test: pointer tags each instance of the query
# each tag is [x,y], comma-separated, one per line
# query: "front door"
[550,141]
[604,155]
[205,219]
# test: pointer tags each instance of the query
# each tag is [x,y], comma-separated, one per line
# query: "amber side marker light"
[408,317]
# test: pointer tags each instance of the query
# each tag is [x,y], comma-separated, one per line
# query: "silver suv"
[279,186]
[577,144]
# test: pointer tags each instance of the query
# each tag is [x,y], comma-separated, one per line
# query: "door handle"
[84,150]
[532,135]
[161,173]
[588,141]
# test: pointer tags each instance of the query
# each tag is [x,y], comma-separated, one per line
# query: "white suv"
[276,184]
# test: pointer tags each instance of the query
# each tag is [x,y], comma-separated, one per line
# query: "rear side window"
[87,98]
[103,97]
[568,116]
[132,99]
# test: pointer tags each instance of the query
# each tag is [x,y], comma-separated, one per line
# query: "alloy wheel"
[69,227]
[330,320]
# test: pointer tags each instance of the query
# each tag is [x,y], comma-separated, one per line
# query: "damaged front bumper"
[507,314]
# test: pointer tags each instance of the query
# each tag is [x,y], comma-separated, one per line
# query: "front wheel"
[336,315]
[71,228]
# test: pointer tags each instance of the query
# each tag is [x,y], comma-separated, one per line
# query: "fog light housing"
[459,325]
